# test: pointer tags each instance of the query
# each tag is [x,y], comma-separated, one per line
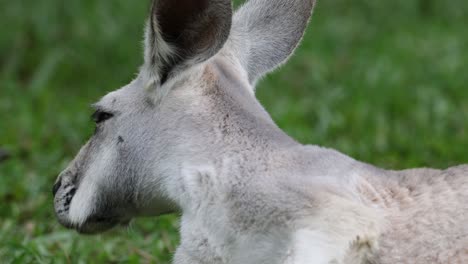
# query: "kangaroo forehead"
[131,96]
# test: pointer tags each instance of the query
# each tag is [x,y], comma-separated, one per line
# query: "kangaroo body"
[189,136]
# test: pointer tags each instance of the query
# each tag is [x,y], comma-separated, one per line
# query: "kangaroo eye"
[101,116]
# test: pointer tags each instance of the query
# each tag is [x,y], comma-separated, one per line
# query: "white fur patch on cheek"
[84,202]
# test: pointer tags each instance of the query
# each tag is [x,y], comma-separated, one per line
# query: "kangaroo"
[189,136]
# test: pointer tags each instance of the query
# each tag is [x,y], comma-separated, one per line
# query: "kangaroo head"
[192,101]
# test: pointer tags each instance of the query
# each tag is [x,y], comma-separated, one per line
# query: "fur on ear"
[182,33]
[266,32]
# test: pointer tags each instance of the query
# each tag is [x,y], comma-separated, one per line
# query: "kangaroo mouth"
[63,196]
[94,223]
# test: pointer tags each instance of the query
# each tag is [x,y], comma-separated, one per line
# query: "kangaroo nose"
[57,186]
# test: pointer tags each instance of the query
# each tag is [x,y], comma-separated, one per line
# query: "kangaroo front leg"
[342,232]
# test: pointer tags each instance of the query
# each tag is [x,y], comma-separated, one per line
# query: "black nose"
[56,186]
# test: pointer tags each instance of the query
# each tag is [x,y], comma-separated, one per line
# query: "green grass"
[382,81]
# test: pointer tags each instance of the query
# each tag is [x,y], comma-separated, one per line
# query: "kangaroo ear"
[266,32]
[182,33]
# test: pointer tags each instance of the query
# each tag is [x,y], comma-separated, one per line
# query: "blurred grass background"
[382,81]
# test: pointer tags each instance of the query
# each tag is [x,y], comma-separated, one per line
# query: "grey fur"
[201,144]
